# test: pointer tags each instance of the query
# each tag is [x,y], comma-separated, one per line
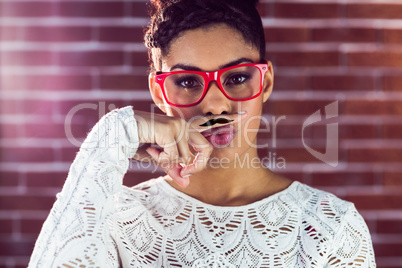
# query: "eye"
[237,79]
[188,82]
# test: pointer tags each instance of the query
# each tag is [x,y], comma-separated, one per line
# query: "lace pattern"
[97,222]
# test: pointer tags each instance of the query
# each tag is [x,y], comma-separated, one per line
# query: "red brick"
[8,178]
[147,106]
[84,108]
[283,130]
[113,104]
[24,202]
[27,9]
[38,107]
[10,106]
[139,9]
[371,107]
[294,107]
[88,110]
[343,82]
[393,131]
[344,35]
[56,34]
[91,9]
[30,226]
[389,226]
[375,59]
[306,59]
[8,131]
[286,34]
[342,178]
[78,129]
[16,248]
[44,130]
[375,155]
[6,226]
[69,154]
[393,36]
[388,250]
[393,83]
[47,82]
[319,130]
[392,178]
[9,33]
[36,155]
[125,82]
[46,179]
[91,58]
[265,9]
[306,10]
[139,59]
[27,58]
[358,131]
[292,155]
[374,10]
[376,201]
[291,82]
[121,34]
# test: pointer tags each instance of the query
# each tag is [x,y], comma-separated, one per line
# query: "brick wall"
[59,55]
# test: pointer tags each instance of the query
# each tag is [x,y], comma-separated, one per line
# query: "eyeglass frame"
[210,77]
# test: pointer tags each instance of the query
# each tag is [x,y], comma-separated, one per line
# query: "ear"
[156,92]
[268,82]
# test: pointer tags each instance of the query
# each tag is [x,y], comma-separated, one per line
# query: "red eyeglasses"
[187,88]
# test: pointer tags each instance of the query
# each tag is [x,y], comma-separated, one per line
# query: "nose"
[215,102]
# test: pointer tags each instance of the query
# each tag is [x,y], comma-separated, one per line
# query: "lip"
[220,136]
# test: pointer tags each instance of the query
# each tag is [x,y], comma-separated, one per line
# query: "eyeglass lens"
[238,83]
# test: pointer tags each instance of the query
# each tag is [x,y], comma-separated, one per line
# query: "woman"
[218,206]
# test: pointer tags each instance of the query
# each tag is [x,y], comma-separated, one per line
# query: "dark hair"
[169,18]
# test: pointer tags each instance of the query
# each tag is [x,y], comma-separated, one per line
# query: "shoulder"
[331,226]
[323,208]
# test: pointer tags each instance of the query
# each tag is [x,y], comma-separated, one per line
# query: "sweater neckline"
[168,188]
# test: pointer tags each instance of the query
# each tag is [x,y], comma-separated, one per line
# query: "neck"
[242,181]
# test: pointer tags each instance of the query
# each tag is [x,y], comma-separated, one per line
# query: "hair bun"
[158,5]
[245,2]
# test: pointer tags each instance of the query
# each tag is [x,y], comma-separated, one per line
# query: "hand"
[174,136]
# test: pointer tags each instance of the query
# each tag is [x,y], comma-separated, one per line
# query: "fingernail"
[185,170]
[183,182]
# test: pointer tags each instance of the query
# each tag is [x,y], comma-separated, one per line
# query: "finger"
[186,156]
[170,152]
[172,169]
[204,150]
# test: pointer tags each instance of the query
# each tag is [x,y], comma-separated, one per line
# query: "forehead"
[208,48]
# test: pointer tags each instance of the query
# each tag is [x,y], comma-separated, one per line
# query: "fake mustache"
[212,122]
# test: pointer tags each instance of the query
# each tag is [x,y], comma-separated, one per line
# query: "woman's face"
[208,49]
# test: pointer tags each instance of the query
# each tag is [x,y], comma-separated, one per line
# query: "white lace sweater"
[98,222]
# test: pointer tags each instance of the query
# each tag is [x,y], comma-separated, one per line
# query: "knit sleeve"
[352,245]
[76,232]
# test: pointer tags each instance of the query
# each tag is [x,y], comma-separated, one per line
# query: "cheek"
[252,123]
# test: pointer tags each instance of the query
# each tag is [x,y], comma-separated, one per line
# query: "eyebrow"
[194,68]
